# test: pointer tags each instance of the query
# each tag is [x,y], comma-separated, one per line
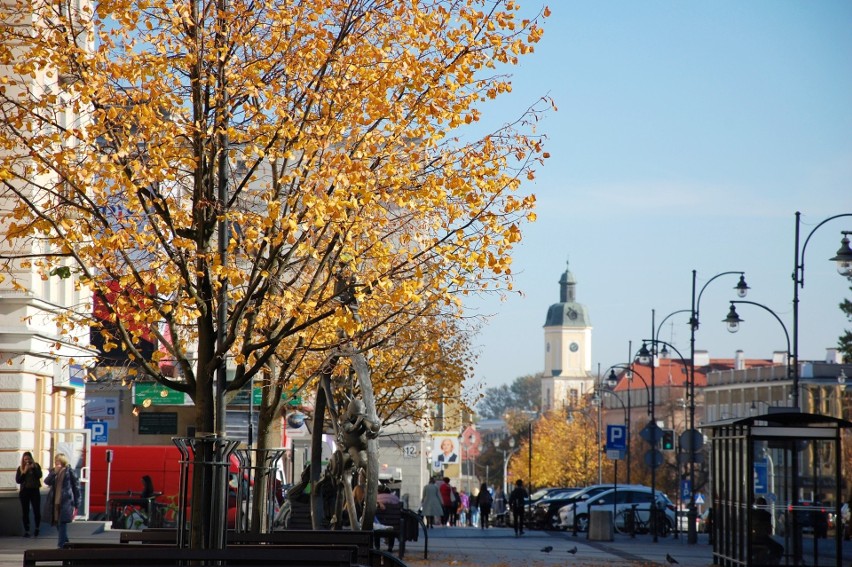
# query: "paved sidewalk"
[498,547]
[460,547]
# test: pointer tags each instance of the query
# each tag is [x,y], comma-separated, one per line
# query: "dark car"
[811,517]
[545,512]
[538,496]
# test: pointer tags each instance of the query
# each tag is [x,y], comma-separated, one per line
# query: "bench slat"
[164,556]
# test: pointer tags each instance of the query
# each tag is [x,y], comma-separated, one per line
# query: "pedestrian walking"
[28,475]
[455,507]
[517,503]
[63,498]
[465,510]
[430,502]
[484,501]
[446,500]
[500,507]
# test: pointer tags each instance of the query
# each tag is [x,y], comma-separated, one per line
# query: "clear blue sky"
[687,136]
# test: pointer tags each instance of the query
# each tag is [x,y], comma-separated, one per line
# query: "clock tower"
[567,373]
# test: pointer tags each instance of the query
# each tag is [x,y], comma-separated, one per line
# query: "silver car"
[621,501]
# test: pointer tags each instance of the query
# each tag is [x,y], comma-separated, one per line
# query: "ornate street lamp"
[507,454]
[844,268]
[844,256]
[694,322]
[612,381]
[646,356]
[733,321]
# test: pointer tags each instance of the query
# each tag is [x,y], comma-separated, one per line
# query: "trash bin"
[600,525]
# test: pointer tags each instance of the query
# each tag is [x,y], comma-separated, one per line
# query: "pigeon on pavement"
[573,550]
[547,549]
[671,560]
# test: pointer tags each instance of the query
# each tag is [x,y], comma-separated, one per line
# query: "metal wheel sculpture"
[348,483]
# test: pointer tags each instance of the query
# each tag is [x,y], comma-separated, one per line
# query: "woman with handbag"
[63,498]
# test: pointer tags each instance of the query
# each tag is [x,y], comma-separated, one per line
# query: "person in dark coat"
[28,476]
[484,500]
[63,498]
[764,547]
[517,502]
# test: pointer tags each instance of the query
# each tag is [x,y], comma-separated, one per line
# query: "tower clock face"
[574,347]
[572,314]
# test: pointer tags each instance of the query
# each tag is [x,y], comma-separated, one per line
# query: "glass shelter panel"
[777,490]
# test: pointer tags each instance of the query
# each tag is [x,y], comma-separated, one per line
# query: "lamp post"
[648,356]
[844,268]
[694,322]
[611,383]
[733,321]
[613,379]
[506,456]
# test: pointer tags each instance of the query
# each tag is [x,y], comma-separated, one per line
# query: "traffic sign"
[685,489]
[653,458]
[651,433]
[699,499]
[689,438]
[616,437]
[614,454]
[761,477]
[100,431]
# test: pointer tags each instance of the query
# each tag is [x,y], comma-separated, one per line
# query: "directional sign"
[761,477]
[616,437]
[651,433]
[100,431]
[653,458]
[690,438]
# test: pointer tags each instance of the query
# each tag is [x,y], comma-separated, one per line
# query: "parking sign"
[100,431]
[616,437]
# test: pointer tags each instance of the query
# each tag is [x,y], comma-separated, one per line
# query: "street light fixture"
[506,456]
[612,381]
[646,356]
[844,267]
[694,322]
[626,409]
[733,321]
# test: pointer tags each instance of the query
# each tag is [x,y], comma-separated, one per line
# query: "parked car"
[541,495]
[683,520]
[545,512]
[620,499]
[811,517]
[585,494]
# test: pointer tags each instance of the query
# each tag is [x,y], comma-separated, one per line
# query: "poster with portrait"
[446,454]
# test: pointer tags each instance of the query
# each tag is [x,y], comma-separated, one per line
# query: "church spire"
[567,286]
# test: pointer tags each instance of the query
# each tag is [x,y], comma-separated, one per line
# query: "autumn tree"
[564,450]
[214,170]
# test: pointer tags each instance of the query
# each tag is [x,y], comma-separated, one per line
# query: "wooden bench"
[361,541]
[403,524]
[166,556]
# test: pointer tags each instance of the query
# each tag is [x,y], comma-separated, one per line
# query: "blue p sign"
[616,437]
[100,431]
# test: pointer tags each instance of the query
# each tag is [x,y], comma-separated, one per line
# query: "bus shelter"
[776,489]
